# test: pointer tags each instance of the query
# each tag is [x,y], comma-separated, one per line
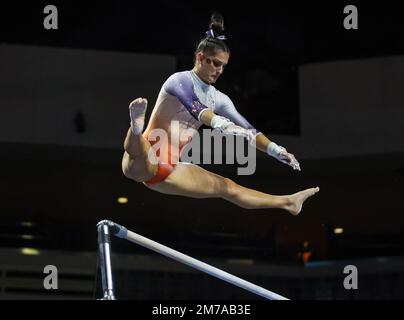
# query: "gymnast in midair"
[189,99]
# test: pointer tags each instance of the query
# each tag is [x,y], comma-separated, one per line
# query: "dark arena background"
[331,95]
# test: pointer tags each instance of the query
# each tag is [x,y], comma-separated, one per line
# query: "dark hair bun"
[216,23]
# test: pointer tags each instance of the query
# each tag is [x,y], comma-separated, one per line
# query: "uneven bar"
[123,233]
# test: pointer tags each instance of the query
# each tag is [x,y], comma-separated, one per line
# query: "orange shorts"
[165,167]
[163,171]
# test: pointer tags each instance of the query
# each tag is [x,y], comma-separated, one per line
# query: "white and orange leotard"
[180,103]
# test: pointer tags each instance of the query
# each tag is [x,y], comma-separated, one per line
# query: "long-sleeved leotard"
[180,103]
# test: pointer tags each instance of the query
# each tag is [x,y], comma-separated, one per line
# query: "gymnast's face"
[210,67]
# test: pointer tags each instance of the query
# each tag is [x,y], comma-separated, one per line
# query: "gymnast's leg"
[135,161]
[193,181]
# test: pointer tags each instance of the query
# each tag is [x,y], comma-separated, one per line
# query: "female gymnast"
[189,99]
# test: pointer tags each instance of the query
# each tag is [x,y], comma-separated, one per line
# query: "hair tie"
[211,34]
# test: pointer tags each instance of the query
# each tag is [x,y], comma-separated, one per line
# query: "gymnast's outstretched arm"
[244,128]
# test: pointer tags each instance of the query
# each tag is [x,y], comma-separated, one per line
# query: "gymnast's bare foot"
[296,200]
[137,112]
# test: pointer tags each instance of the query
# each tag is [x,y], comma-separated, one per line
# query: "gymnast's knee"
[228,188]
[132,170]
[126,170]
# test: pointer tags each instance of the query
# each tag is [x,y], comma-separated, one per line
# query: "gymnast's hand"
[227,127]
[281,154]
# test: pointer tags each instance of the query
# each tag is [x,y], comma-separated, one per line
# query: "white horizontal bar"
[201,266]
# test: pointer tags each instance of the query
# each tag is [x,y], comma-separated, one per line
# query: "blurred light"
[338,230]
[123,200]
[27,224]
[27,236]
[30,251]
